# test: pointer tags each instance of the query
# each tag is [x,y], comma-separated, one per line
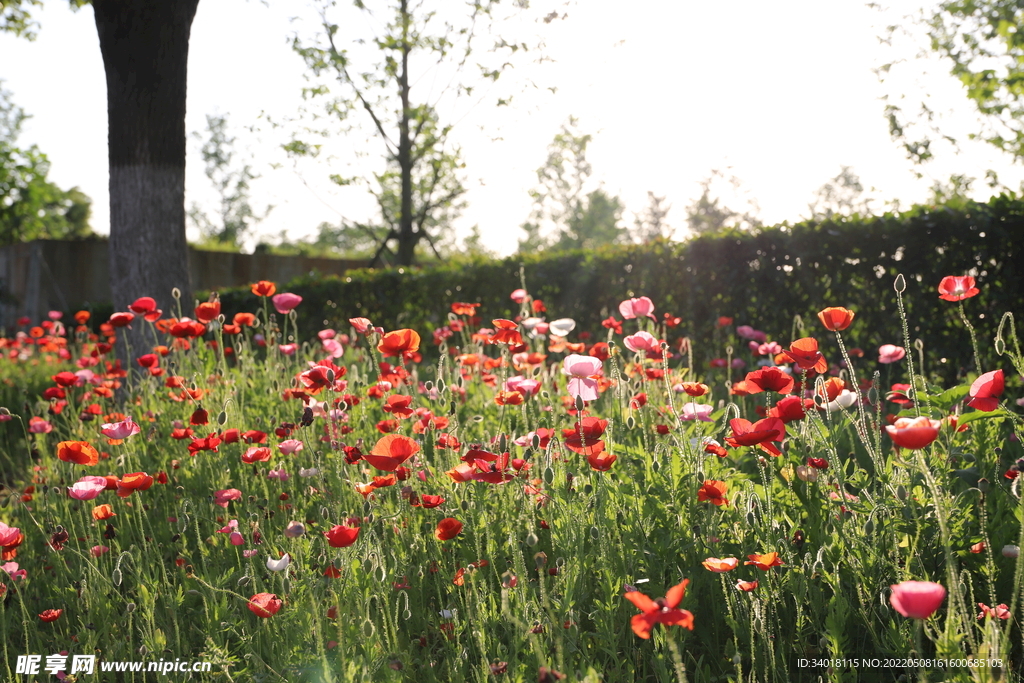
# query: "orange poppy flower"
[459,308]
[82,317]
[508,398]
[77,452]
[101,512]
[391,451]
[447,529]
[833,387]
[399,342]
[136,481]
[244,319]
[713,492]
[207,311]
[662,610]
[746,586]
[836,318]
[506,332]
[264,288]
[764,562]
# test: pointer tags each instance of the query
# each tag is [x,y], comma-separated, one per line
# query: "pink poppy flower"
[986,390]
[526,387]
[636,308]
[288,349]
[8,534]
[280,475]
[290,447]
[640,342]
[224,496]
[581,369]
[997,612]
[519,295]
[285,302]
[333,348]
[696,411]
[917,599]
[38,425]
[12,570]
[326,334]
[98,550]
[87,488]
[121,430]
[232,525]
[748,332]
[890,353]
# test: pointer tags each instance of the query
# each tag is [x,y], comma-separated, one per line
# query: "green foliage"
[32,207]
[709,213]
[764,278]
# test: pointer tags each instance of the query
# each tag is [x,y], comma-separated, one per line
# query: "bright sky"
[780,94]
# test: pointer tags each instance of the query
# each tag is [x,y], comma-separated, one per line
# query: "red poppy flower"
[254,436]
[986,390]
[391,451]
[51,615]
[713,492]
[186,328]
[584,437]
[493,470]
[427,501]
[77,452]
[399,342]
[836,318]
[316,378]
[398,405]
[342,536]
[136,481]
[612,324]
[264,605]
[208,311]
[695,389]
[448,441]
[662,610]
[121,319]
[506,332]
[764,562]
[913,433]
[760,434]
[264,288]
[447,529]
[256,454]
[771,379]
[953,288]
[818,463]
[208,443]
[601,462]
[804,352]
[791,408]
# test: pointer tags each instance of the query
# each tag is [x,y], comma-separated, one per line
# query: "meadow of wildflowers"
[515,500]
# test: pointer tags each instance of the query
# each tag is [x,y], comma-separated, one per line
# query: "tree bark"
[407,238]
[145,55]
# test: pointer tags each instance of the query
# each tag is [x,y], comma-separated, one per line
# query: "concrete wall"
[66,275]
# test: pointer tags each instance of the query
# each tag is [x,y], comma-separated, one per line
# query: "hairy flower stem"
[906,347]
[974,337]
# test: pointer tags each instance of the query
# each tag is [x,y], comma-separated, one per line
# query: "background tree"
[982,41]
[709,213]
[650,224]
[419,189]
[236,218]
[840,196]
[565,215]
[32,207]
[144,44]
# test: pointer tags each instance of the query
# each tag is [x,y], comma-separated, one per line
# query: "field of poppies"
[508,499]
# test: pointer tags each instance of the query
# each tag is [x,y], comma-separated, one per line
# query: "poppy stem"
[974,338]
[677,657]
[907,347]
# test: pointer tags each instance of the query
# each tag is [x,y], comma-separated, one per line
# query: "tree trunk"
[406,237]
[145,55]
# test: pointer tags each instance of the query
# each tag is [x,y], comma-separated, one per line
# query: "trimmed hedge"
[764,278]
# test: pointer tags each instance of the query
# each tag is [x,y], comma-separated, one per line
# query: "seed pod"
[531,539]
